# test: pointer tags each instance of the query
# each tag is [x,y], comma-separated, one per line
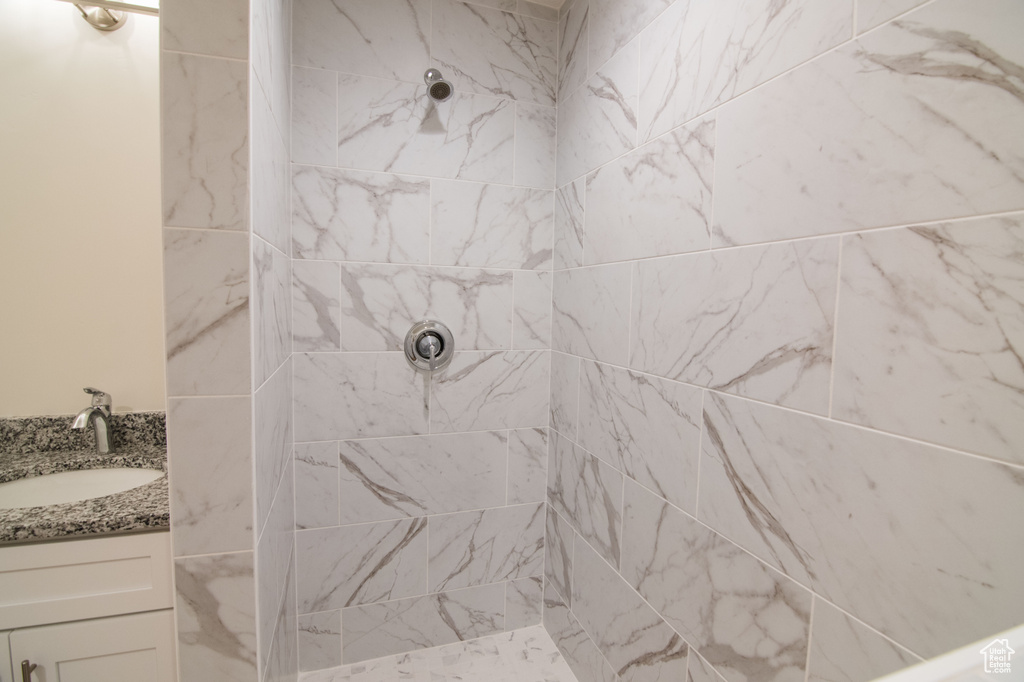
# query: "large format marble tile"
[588,494]
[319,640]
[699,670]
[270,35]
[558,550]
[524,602]
[569,222]
[274,438]
[316,310]
[206,294]
[317,499]
[271,309]
[655,200]
[490,226]
[351,215]
[527,465]
[379,303]
[488,546]
[211,485]
[314,117]
[573,47]
[223,33]
[216,616]
[531,320]
[916,121]
[614,23]
[590,314]
[700,54]
[205,142]
[383,38]
[270,176]
[565,394]
[749,620]
[647,428]
[580,652]
[911,539]
[491,390]
[275,566]
[371,562]
[931,324]
[843,650]
[871,13]
[392,126]
[378,630]
[357,395]
[756,322]
[535,145]
[597,122]
[491,52]
[390,478]
[638,644]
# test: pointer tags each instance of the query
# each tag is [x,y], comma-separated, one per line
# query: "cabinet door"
[136,648]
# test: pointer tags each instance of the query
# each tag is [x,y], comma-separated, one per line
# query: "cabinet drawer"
[65,581]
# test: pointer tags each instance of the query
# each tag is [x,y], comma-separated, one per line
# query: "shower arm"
[122,6]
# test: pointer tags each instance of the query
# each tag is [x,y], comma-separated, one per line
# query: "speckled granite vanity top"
[36,446]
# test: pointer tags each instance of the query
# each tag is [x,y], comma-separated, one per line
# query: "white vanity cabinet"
[95,610]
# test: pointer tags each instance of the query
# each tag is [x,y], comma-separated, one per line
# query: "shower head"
[438,88]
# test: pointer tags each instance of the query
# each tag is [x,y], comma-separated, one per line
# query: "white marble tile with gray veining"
[871,13]
[565,394]
[349,565]
[558,550]
[756,322]
[495,53]
[224,33]
[573,47]
[639,645]
[206,294]
[383,38]
[590,315]
[527,465]
[943,368]
[352,215]
[917,121]
[283,658]
[569,223]
[379,303]
[317,499]
[588,494]
[911,539]
[747,619]
[270,35]
[314,116]
[480,225]
[699,670]
[843,650]
[270,177]
[647,428]
[488,546]
[205,142]
[316,310]
[319,639]
[598,121]
[271,308]
[491,390]
[377,630]
[524,601]
[216,617]
[211,489]
[655,200]
[700,54]
[535,145]
[275,565]
[357,395]
[614,23]
[395,127]
[580,652]
[391,478]
[531,323]
[540,11]
[274,439]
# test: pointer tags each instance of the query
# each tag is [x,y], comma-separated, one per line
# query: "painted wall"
[787,393]
[80,212]
[225,87]
[420,501]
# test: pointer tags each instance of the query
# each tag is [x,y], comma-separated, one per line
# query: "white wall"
[80,252]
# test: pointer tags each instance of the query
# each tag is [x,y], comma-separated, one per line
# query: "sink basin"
[72,486]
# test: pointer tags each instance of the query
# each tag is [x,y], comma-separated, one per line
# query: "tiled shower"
[735,288]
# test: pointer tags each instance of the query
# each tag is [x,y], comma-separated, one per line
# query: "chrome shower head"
[438,88]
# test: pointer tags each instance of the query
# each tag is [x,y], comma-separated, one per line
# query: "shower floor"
[526,655]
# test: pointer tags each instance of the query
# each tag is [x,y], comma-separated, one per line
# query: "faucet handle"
[99,398]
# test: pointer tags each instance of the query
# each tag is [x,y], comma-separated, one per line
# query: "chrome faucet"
[99,414]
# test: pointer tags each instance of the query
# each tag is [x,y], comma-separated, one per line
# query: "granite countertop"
[140,509]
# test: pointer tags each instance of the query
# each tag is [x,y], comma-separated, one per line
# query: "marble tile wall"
[420,508]
[227,268]
[786,384]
